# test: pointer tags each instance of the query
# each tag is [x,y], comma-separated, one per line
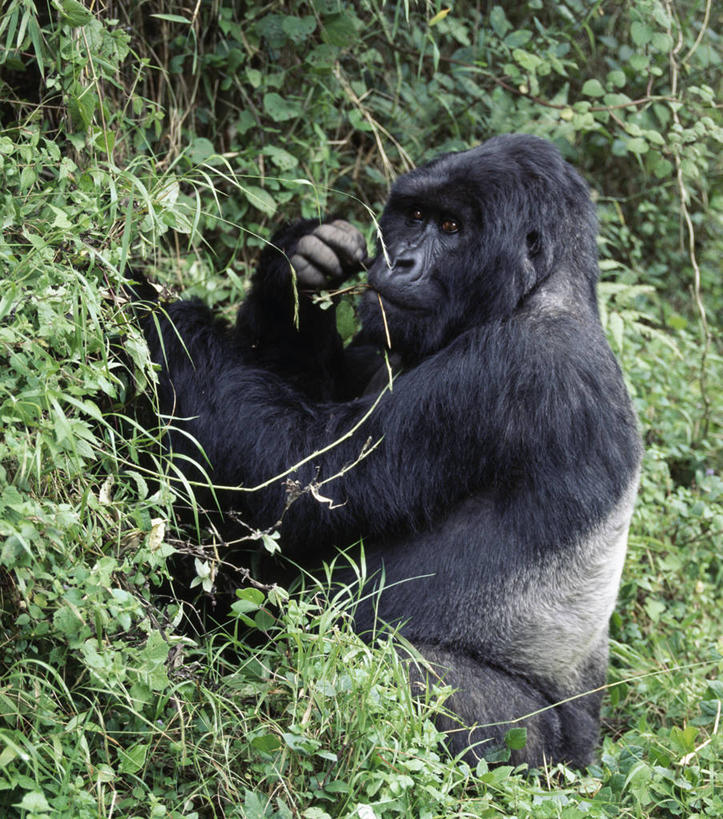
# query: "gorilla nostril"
[403,264]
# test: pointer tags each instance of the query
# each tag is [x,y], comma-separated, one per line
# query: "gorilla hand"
[329,254]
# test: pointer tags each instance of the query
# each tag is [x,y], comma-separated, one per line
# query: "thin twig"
[684,197]
[384,319]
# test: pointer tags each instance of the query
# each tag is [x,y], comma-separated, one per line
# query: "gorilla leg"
[493,701]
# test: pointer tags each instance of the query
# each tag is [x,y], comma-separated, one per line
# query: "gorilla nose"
[404,269]
[407,269]
[403,264]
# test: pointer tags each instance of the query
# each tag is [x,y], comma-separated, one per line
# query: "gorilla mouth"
[374,294]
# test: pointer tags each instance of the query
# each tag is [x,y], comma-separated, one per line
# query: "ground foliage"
[174,138]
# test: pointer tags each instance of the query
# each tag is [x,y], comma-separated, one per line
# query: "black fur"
[508,454]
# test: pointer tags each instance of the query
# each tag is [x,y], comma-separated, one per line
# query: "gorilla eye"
[417,214]
[450,225]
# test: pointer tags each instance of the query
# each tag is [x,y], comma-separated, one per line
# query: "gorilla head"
[467,237]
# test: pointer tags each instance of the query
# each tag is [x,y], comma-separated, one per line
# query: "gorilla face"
[468,236]
[425,239]
[427,229]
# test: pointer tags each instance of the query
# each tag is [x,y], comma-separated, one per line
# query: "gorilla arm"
[253,426]
[451,426]
[282,329]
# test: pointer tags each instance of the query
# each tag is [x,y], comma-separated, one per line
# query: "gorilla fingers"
[329,254]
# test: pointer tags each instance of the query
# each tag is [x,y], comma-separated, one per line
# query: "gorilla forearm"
[509,438]
[252,426]
[279,326]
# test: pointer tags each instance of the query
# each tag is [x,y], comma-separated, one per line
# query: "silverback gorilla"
[497,499]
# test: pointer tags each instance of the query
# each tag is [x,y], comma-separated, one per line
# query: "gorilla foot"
[488,702]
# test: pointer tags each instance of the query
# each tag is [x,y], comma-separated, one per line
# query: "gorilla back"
[498,499]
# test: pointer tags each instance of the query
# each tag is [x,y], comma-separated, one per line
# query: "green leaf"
[527,60]
[82,107]
[251,595]
[518,38]
[280,109]
[662,168]
[323,56]
[315,813]
[250,600]
[35,802]
[36,37]
[245,122]
[134,758]
[172,18]
[340,29]
[281,158]
[156,649]
[7,754]
[439,16]
[68,622]
[270,542]
[264,620]
[298,29]
[345,320]
[61,219]
[300,743]
[254,76]
[499,21]
[271,29]
[104,140]
[200,150]
[28,177]
[640,33]
[266,743]
[516,738]
[654,608]
[260,199]
[654,137]
[683,739]
[593,88]
[74,13]
[637,145]
[662,42]
[638,62]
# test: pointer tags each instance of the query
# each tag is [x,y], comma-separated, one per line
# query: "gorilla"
[491,482]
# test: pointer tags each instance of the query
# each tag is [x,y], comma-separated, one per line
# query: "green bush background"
[175,138]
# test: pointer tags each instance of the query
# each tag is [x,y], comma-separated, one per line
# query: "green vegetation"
[174,138]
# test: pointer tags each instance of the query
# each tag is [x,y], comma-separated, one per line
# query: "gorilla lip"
[390,302]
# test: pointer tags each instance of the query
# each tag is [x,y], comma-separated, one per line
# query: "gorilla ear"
[534,243]
[539,253]
[533,267]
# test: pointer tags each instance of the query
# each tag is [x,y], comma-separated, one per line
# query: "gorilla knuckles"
[329,254]
[498,501]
